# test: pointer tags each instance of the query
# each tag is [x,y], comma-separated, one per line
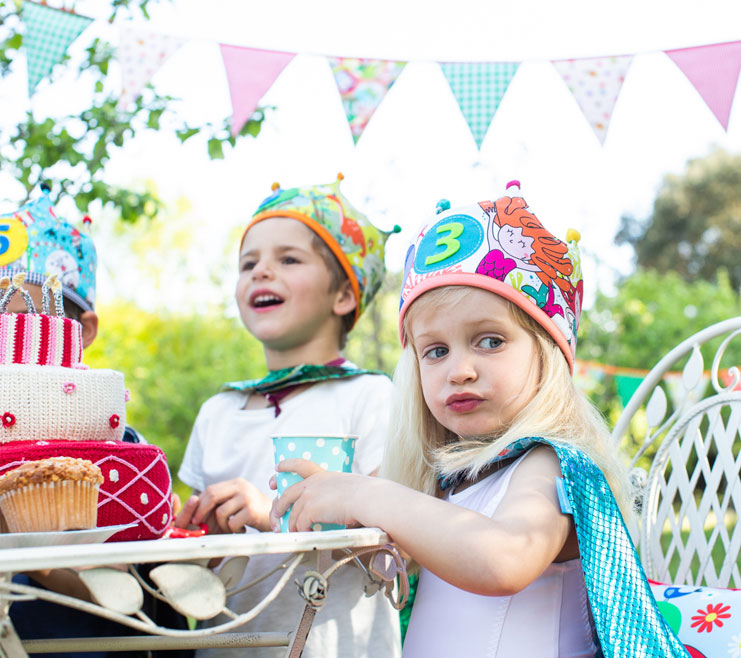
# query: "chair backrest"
[686,465]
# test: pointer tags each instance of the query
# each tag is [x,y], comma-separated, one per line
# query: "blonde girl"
[498,479]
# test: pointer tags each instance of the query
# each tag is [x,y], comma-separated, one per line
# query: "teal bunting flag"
[479,88]
[626,386]
[49,32]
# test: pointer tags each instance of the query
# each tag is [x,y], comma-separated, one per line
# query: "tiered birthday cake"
[52,405]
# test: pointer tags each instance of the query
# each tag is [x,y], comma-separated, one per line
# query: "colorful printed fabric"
[595,83]
[49,32]
[479,88]
[34,240]
[625,614]
[140,55]
[363,84]
[500,246]
[706,619]
[358,245]
[713,71]
[277,380]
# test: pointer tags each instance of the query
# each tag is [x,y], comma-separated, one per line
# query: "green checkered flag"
[479,88]
[49,32]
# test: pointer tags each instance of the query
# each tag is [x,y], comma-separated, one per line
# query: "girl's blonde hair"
[421,449]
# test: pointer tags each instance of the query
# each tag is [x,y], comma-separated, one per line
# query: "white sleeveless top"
[548,619]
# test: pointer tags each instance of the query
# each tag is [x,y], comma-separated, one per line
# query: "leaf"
[656,407]
[113,589]
[215,149]
[692,372]
[232,570]
[191,589]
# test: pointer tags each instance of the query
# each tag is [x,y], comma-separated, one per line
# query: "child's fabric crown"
[357,244]
[500,246]
[34,240]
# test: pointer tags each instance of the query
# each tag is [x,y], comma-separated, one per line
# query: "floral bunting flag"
[595,83]
[713,71]
[363,84]
[141,54]
[49,32]
[250,72]
[479,88]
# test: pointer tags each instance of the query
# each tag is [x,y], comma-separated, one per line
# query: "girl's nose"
[462,369]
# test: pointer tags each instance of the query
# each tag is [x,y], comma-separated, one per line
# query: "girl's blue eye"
[436,352]
[247,266]
[289,260]
[490,342]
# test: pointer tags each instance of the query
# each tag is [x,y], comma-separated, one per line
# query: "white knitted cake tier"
[56,403]
[45,340]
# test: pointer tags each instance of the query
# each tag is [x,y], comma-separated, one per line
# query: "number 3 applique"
[448,242]
[13,240]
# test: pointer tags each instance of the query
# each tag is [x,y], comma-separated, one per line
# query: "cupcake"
[59,493]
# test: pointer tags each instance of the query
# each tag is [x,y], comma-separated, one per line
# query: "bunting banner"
[595,83]
[479,88]
[49,32]
[250,72]
[713,70]
[140,55]
[363,84]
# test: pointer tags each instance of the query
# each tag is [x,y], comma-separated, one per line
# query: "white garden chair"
[689,493]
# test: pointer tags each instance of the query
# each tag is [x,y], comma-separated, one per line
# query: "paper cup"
[332,453]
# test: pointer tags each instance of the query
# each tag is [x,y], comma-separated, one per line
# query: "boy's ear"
[345,301]
[89,322]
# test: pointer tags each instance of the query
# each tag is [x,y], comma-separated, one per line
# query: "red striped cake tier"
[43,340]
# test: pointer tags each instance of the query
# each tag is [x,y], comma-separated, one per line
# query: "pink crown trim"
[44,340]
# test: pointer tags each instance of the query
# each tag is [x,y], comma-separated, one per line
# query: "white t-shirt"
[229,442]
[548,619]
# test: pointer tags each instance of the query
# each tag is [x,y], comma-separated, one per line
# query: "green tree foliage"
[374,342]
[650,314]
[695,227]
[172,364]
[71,152]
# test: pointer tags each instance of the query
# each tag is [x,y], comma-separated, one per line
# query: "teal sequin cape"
[626,617]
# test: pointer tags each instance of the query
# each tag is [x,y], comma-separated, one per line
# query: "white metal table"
[182,579]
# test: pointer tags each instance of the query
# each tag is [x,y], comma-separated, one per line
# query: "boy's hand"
[319,497]
[227,507]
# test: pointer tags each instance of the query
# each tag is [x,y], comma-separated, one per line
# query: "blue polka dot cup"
[332,453]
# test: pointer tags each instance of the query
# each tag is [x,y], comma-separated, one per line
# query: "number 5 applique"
[13,240]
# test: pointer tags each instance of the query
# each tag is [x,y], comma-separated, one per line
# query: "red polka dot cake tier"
[52,405]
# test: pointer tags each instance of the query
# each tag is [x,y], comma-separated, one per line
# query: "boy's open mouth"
[265,300]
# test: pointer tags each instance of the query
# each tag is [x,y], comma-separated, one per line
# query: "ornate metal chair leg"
[298,639]
[10,643]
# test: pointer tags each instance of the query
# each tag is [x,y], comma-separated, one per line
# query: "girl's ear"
[345,301]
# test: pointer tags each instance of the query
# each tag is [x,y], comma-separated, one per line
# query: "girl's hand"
[226,507]
[321,497]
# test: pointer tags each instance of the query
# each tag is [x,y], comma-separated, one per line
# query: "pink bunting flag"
[251,72]
[141,53]
[713,71]
[595,83]
[363,84]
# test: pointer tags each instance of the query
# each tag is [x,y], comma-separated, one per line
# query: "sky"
[417,148]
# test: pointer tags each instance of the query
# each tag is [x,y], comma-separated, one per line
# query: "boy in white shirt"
[309,265]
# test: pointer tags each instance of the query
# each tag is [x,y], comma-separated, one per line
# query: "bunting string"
[478,87]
